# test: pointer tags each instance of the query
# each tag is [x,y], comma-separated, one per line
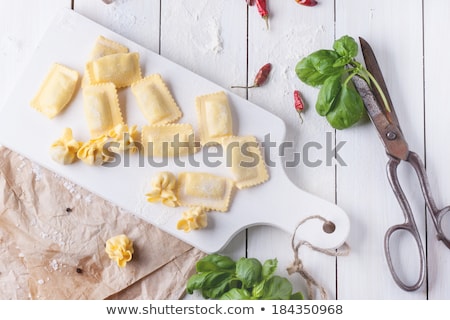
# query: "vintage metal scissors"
[397,150]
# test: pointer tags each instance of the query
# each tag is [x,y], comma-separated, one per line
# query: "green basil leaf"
[195,282]
[207,280]
[249,271]
[215,262]
[277,288]
[269,267]
[342,61]
[348,108]
[317,67]
[236,294]
[297,296]
[217,291]
[346,46]
[327,95]
[258,290]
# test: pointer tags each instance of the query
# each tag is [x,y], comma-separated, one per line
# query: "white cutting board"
[278,202]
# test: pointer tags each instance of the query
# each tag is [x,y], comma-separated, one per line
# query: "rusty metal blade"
[373,67]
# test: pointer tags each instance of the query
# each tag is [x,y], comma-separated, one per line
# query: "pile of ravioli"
[112,67]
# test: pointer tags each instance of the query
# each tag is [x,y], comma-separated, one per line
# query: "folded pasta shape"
[163,189]
[199,189]
[155,100]
[64,150]
[126,137]
[170,140]
[194,218]
[214,117]
[101,108]
[120,249]
[104,46]
[122,69]
[56,90]
[247,164]
[91,152]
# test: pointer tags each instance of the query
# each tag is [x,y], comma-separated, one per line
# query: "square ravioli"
[205,190]
[122,69]
[101,108]
[170,140]
[214,117]
[155,100]
[104,46]
[245,159]
[56,91]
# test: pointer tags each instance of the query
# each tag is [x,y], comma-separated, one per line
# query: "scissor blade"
[385,122]
[373,67]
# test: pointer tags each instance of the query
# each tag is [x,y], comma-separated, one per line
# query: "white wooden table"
[226,43]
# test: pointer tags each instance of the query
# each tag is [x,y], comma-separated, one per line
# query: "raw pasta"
[199,189]
[122,69]
[171,140]
[91,152]
[64,150]
[101,108]
[56,91]
[246,162]
[104,46]
[155,100]
[163,190]
[194,218]
[214,117]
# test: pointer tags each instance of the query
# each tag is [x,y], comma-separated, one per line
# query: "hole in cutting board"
[328,227]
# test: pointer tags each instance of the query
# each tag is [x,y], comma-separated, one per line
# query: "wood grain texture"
[227,42]
[362,187]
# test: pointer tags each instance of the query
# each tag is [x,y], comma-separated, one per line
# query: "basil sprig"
[219,277]
[332,70]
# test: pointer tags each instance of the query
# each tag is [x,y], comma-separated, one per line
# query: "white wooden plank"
[20,36]
[437,131]
[363,188]
[209,38]
[295,31]
[136,20]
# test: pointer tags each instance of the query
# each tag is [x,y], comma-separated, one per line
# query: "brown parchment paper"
[50,252]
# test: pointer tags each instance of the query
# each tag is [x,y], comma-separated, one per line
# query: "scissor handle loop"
[409,226]
[435,213]
[412,229]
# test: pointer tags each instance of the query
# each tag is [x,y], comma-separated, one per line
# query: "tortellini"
[120,249]
[163,185]
[91,152]
[64,150]
[193,219]
[125,136]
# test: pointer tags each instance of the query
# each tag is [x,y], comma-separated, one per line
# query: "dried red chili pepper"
[260,78]
[309,3]
[262,9]
[298,103]
[250,2]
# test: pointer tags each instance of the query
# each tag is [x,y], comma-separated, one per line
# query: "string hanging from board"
[297,265]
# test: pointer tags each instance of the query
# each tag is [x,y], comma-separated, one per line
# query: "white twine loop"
[297,265]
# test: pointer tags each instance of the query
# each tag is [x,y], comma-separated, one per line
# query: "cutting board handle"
[286,205]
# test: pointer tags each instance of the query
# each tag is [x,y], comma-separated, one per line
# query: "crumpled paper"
[52,241]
